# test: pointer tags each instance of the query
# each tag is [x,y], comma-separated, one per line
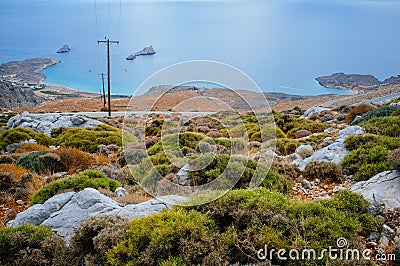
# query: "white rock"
[120,191]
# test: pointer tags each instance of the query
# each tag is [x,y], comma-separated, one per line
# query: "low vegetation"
[325,171]
[88,178]
[17,135]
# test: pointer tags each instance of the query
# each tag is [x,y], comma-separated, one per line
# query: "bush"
[28,147]
[287,146]
[88,139]
[154,129]
[388,126]
[41,162]
[155,239]
[95,236]
[88,178]
[360,110]
[327,171]
[75,160]
[379,112]
[239,169]
[17,186]
[17,135]
[290,124]
[14,241]
[368,155]
[394,158]
[249,219]
[29,245]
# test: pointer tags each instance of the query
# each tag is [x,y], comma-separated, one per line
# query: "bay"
[282,45]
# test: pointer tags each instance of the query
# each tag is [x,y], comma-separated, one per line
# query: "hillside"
[16,96]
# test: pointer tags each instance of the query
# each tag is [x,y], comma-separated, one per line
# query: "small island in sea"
[64,49]
[145,51]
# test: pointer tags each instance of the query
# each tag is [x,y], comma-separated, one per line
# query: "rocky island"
[64,49]
[145,51]
[355,82]
[26,71]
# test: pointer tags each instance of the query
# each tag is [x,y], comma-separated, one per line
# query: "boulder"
[382,189]
[334,152]
[314,111]
[46,122]
[65,212]
[302,133]
[120,191]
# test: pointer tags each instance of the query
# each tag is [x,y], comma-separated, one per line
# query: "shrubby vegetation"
[88,178]
[88,139]
[379,112]
[17,135]
[325,171]
[368,155]
[41,162]
[232,228]
[359,110]
[290,124]
[388,126]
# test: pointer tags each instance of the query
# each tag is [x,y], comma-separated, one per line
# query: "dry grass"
[132,199]
[28,147]
[17,171]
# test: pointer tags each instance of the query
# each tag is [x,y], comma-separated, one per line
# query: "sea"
[283,45]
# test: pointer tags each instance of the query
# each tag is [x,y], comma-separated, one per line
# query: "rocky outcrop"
[382,189]
[26,71]
[334,152]
[145,51]
[46,122]
[314,112]
[392,80]
[65,212]
[64,49]
[350,81]
[15,96]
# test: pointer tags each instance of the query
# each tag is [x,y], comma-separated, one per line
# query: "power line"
[108,42]
[104,91]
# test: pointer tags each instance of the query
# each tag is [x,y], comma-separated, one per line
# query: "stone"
[314,111]
[306,184]
[20,202]
[331,130]
[203,129]
[183,175]
[214,134]
[45,123]
[382,189]
[302,134]
[337,189]
[383,242]
[387,231]
[120,191]
[374,236]
[356,120]
[334,152]
[64,49]
[65,212]
[304,147]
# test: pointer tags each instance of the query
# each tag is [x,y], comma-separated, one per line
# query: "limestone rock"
[314,111]
[334,152]
[46,122]
[383,188]
[119,192]
[65,212]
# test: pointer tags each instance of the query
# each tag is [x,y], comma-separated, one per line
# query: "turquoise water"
[282,45]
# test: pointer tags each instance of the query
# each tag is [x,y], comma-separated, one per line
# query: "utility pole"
[104,92]
[108,42]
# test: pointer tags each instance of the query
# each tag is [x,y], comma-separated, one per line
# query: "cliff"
[14,96]
[26,71]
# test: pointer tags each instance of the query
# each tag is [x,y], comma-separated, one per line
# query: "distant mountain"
[14,96]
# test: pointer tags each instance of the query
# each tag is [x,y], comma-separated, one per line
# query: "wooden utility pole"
[108,42]
[104,91]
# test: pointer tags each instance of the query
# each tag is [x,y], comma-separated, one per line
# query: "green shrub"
[287,146]
[290,124]
[359,110]
[325,171]
[154,129]
[17,135]
[155,239]
[15,240]
[95,236]
[379,112]
[88,178]
[41,162]
[234,168]
[389,126]
[249,219]
[368,155]
[88,139]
